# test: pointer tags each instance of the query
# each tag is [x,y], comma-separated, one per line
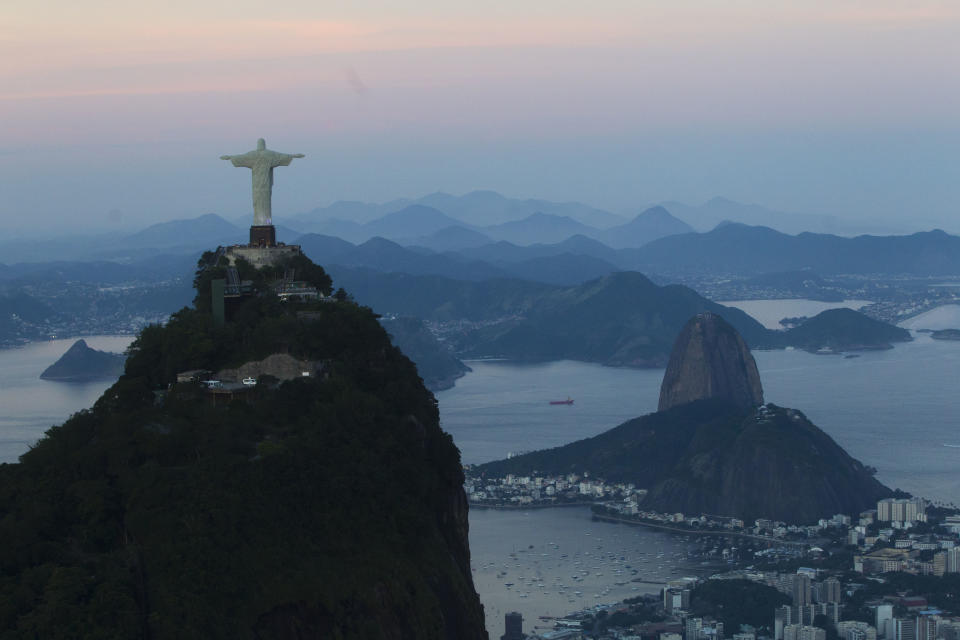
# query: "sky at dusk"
[116,113]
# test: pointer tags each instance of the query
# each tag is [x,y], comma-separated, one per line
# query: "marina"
[583,563]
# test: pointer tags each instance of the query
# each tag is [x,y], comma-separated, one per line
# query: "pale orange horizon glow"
[613,99]
[129,45]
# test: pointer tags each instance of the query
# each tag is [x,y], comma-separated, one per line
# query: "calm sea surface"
[897,410]
[769,313]
[555,561]
[28,405]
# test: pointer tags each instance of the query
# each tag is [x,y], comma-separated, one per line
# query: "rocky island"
[945,334]
[844,330]
[81,364]
[714,447]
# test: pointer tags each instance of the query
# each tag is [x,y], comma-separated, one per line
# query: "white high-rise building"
[903,629]
[902,510]
[953,560]
[693,629]
[884,613]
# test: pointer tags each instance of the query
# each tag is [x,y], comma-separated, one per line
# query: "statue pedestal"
[263,236]
[263,249]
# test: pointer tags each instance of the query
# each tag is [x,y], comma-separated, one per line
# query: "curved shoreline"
[642,523]
[521,507]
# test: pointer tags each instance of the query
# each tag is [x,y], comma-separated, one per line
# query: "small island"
[83,364]
[836,330]
[946,334]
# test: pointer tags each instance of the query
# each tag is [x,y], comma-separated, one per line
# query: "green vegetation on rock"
[736,602]
[329,506]
[711,457]
[81,363]
[844,330]
[623,319]
[435,362]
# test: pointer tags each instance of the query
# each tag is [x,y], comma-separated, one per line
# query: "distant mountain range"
[477,208]
[759,253]
[718,210]
[150,269]
[185,233]
[382,255]
[745,250]
[421,225]
[489,208]
[439,222]
[622,319]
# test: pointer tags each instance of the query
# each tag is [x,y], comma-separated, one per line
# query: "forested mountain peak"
[327,506]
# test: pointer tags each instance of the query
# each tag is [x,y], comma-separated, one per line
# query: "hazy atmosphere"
[117,112]
[433,320]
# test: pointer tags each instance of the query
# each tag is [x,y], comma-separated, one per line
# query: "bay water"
[896,410]
[28,405]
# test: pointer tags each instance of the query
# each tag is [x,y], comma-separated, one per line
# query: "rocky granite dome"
[713,447]
[710,360]
[327,506]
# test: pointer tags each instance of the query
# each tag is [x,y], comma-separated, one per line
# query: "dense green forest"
[623,319]
[737,602]
[327,507]
[705,457]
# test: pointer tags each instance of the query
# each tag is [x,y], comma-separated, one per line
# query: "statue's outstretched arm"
[242,160]
[284,159]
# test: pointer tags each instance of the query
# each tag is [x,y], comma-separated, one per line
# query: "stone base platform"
[261,256]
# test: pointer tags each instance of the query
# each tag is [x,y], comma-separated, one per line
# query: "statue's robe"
[262,162]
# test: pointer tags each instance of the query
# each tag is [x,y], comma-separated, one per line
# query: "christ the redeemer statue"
[262,161]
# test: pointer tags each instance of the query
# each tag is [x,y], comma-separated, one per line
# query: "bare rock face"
[281,366]
[710,360]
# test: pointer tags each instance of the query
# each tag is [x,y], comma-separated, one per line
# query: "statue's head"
[261,144]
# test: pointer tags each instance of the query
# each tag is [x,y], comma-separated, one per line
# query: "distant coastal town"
[890,573]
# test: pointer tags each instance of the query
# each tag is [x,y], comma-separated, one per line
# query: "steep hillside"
[712,457]
[436,364]
[328,506]
[710,360]
[621,319]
